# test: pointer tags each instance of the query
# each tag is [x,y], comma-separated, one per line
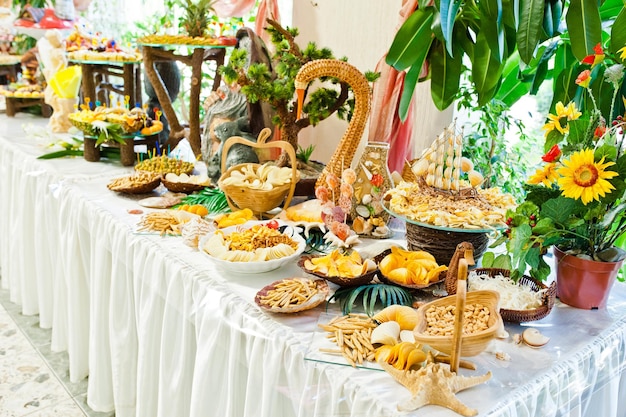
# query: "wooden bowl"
[182,187]
[318,298]
[341,281]
[135,184]
[472,344]
[383,278]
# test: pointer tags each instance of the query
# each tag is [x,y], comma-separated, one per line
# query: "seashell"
[386,333]
[194,229]
[430,179]
[438,183]
[440,156]
[367,198]
[450,160]
[475,178]
[420,167]
[445,183]
[406,317]
[466,164]
[447,173]
[361,226]
[362,211]
[534,338]
[432,167]
[381,231]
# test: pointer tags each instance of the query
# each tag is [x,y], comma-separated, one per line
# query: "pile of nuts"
[440,319]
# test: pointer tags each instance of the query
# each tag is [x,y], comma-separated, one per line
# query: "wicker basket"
[472,344]
[259,201]
[442,243]
[522,316]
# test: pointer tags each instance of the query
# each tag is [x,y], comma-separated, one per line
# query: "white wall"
[361,30]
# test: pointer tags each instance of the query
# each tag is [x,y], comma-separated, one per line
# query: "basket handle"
[461,287]
[260,144]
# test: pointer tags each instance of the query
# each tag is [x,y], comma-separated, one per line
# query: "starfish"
[434,384]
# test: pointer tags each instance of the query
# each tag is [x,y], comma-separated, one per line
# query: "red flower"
[596,57]
[552,155]
[599,132]
[377,180]
[584,78]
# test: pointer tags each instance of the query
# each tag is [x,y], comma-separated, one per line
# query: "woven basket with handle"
[259,201]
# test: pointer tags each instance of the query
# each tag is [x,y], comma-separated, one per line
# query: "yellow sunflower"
[545,175]
[581,177]
[559,121]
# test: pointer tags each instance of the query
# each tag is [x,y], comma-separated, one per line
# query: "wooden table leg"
[88,83]
[194,101]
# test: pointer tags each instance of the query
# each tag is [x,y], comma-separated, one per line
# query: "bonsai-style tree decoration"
[276,85]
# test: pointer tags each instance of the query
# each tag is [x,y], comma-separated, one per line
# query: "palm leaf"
[370,294]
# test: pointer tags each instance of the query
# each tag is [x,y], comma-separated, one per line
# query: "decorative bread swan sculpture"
[342,157]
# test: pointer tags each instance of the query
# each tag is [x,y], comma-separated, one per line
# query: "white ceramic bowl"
[255,267]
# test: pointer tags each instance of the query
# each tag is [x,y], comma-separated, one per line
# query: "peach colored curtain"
[233,8]
[267,9]
[385,124]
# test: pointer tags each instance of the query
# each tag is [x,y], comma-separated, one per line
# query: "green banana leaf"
[448,10]
[413,37]
[584,26]
[610,9]
[61,154]
[529,31]
[410,82]
[618,32]
[491,25]
[513,86]
[445,76]
[486,70]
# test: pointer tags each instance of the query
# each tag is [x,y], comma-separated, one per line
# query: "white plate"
[255,267]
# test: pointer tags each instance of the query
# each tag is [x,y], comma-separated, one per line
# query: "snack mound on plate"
[164,164]
[258,177]
[259,243]
[340,264]
[440,197]
[410,267]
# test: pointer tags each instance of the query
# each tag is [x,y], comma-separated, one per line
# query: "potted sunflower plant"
[576,200]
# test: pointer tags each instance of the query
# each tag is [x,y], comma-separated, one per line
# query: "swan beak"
[469,257]
[300,93]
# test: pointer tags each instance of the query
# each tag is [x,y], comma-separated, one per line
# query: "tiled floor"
[34,381]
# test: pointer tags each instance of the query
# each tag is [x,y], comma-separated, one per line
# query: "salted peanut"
[440,319]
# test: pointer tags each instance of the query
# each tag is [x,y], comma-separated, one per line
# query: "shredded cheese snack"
[512,296]
[486,210]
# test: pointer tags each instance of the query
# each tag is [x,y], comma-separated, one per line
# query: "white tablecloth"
[161,332]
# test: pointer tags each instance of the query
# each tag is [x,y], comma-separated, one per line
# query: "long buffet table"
[160,331]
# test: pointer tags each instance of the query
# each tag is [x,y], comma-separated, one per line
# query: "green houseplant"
[576,200]
[512,47]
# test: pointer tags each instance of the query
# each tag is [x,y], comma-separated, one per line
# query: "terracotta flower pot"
[584,283]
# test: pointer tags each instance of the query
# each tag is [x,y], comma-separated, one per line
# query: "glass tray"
[319,340]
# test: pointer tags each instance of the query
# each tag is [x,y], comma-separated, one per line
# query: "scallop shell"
[386,333]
